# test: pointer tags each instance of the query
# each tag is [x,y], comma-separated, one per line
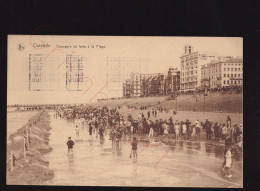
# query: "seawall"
[30,166]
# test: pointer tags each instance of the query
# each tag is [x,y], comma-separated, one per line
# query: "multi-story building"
[127,88]
[222,72]
[154,85]
[140,85]
[137,84]
[161,84]
[172,81]
[191,62]
[148,86]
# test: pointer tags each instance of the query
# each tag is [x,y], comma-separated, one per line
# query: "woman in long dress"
[177,130]
[228,162]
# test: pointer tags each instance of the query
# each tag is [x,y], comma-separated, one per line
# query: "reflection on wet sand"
[95,163]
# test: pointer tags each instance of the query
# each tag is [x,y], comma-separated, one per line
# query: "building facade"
[137,82]
[191,63]
[127,88]
[223,72]
[161,84]
[173,81]
[141,85]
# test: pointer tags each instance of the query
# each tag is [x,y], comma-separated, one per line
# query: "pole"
[204,103]
[12,161]
[27,137]
[24,148]
[176,102]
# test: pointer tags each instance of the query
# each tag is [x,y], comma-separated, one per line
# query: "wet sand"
[95,163]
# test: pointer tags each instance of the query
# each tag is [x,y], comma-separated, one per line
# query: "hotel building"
[223,72]
[191,63]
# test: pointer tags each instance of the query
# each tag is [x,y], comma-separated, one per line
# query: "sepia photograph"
[129,111]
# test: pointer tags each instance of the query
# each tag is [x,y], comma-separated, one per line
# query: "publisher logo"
[20,47]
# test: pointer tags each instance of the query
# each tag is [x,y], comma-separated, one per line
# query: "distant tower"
[188,49]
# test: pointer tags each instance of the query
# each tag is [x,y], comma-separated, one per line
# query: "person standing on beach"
[208,129]
[184,130]
[224,132]
[134,148]
[77,122]
[77,130]
[228,121]
[70,145]
[82,121]
[228,162]
[90,129]
[96,127]
[177,130]
[101,133]
[151,125]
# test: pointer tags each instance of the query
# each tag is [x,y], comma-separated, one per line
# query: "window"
[238,75]
[231,75]
[227,81]
[224,75]
[227,75]
[231,81]
[238,81]
[224,82]
[238,69]
[235,82]
[235,69]
[235,75]
[227,69]
[231,69]
[224,64]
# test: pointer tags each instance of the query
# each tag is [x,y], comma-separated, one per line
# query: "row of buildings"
[201,70]
[140,85]
[198,70]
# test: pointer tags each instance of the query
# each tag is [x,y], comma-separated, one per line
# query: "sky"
[105,59]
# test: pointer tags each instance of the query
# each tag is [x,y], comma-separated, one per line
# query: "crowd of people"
[98,120]
[150,125]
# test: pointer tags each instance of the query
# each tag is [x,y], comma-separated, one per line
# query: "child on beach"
[77,130]
[70,145]
[134,148]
